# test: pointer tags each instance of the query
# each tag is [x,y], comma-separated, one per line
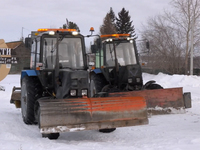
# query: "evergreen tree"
[112,16]
[107,27]
[123,23]
[64,26]
[71,25]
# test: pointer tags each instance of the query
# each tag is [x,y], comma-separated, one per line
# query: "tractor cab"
[62,47]
[118,61]
[58,58]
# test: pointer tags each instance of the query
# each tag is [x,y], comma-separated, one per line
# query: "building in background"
[22,54]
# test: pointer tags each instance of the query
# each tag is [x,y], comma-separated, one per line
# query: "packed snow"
[164,132]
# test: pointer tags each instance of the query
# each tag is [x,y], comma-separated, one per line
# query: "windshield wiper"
[111,50]
[58,42]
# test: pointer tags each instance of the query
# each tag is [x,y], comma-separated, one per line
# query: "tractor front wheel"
[107,130]
[51,136]
[30,92]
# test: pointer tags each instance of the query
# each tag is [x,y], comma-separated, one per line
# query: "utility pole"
[22,37]
[192,46]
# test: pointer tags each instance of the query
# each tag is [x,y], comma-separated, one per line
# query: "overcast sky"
[34,14]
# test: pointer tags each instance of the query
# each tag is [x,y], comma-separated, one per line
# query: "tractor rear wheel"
[154,86]
[151,85]
[31,90]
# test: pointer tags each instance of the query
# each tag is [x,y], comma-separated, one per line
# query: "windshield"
[70,53]
[125,53]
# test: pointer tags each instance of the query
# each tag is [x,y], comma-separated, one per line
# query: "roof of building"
[14,44]
[3,44]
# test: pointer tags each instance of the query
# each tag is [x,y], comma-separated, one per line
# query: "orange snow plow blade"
[162,101]
[61,115]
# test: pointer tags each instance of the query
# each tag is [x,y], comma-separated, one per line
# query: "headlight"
[130,80]
[73,92]
[84,92]
[74,33]
[51,33]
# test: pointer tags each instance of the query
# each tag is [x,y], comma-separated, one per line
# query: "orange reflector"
[61,30]
[114,35]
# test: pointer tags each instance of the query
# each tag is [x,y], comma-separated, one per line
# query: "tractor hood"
[71,80]
[130,75]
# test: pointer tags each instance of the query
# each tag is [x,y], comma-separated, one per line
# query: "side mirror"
[28,42]
[98,42]
[94,48]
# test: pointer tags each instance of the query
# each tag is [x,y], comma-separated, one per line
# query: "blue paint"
[28,73]
[97,71]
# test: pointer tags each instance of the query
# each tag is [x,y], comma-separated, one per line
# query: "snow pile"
[164,132]
[189,83]
[60,129]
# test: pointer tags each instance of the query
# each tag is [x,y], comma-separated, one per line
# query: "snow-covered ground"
[164,132]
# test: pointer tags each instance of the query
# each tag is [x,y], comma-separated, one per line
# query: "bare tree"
[166,47]
[170,35]
[187,13]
